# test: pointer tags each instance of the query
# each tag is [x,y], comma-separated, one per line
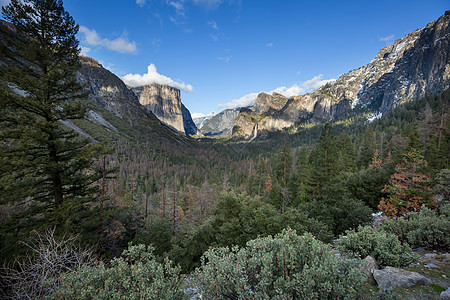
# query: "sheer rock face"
[413,66]
[165,103]
[220,124]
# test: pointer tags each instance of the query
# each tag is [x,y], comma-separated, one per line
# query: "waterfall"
[255,133]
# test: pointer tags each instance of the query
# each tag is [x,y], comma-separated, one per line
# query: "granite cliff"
[220,124]
[165,103]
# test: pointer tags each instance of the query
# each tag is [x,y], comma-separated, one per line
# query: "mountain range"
[415,65]
[412,67]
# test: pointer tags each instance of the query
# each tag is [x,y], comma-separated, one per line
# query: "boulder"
[445,295]
[368,266]
[390,277]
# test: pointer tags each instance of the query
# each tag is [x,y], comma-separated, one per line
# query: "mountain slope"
[220,124]
[409,69]
[116,108]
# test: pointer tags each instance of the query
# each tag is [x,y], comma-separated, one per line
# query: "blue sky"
[226,51]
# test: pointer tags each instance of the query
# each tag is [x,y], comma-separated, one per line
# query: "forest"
[134,217]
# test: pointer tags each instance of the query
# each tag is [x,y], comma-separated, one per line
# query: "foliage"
[422,229]
[286,266]
[240,218]
[48,258]
[136,275]
[381,245]
[47,170]
[408,188]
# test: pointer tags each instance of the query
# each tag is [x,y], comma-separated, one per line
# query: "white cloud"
[316,82]
[85,50]
[152,76]
[244,101]
[196,115]
[295,90]
[226,59]
[213,24]
[121,45]
[210,4]
[179,7]
[387,39]
[141,3]
[269,45]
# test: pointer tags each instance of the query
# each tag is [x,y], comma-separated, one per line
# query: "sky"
[222,53]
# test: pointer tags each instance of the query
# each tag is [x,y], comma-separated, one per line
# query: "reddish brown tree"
[408,187]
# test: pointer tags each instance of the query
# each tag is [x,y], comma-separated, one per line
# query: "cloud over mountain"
[152,76]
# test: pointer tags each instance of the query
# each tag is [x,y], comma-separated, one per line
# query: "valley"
[145,185]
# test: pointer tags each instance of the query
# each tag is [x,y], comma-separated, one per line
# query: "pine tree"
[347,157]
[42,161]
[324,162]
[408,187]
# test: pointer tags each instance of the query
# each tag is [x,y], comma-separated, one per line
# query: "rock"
[393,277]
[368,265]
[430,255]
[430,265]
[165,103]
[415,65]
[220,124]
[445,295]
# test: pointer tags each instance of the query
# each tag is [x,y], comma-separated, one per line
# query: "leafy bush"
[137,275]
[422,229]
[381,245]
[286,266]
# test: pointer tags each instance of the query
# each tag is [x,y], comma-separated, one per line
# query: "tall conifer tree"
[42,161]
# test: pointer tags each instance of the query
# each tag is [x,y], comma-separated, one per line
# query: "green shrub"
[286,266]
[422,229]
[137,275]
[381,245]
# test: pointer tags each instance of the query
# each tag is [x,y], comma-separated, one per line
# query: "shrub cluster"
[425,228]
[286,266]
[385,247]
[136,275]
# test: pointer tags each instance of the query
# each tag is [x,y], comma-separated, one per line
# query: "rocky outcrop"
[265,106]
[391,277]
[111,94]
[188,123]
[220,124]
[410,68]
[368,265]
[107,90]
[165,103]
[445,295]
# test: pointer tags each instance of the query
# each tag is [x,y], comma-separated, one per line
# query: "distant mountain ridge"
[413,66]
[220,124]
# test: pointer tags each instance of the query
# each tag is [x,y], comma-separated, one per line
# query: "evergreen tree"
[42,161]
[347,157]
[324,162]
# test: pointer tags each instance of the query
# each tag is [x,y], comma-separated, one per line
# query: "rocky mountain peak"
[406,70]
[165,103]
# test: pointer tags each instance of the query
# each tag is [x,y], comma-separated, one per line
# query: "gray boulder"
[390,277]
[445,295]
[368,266]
